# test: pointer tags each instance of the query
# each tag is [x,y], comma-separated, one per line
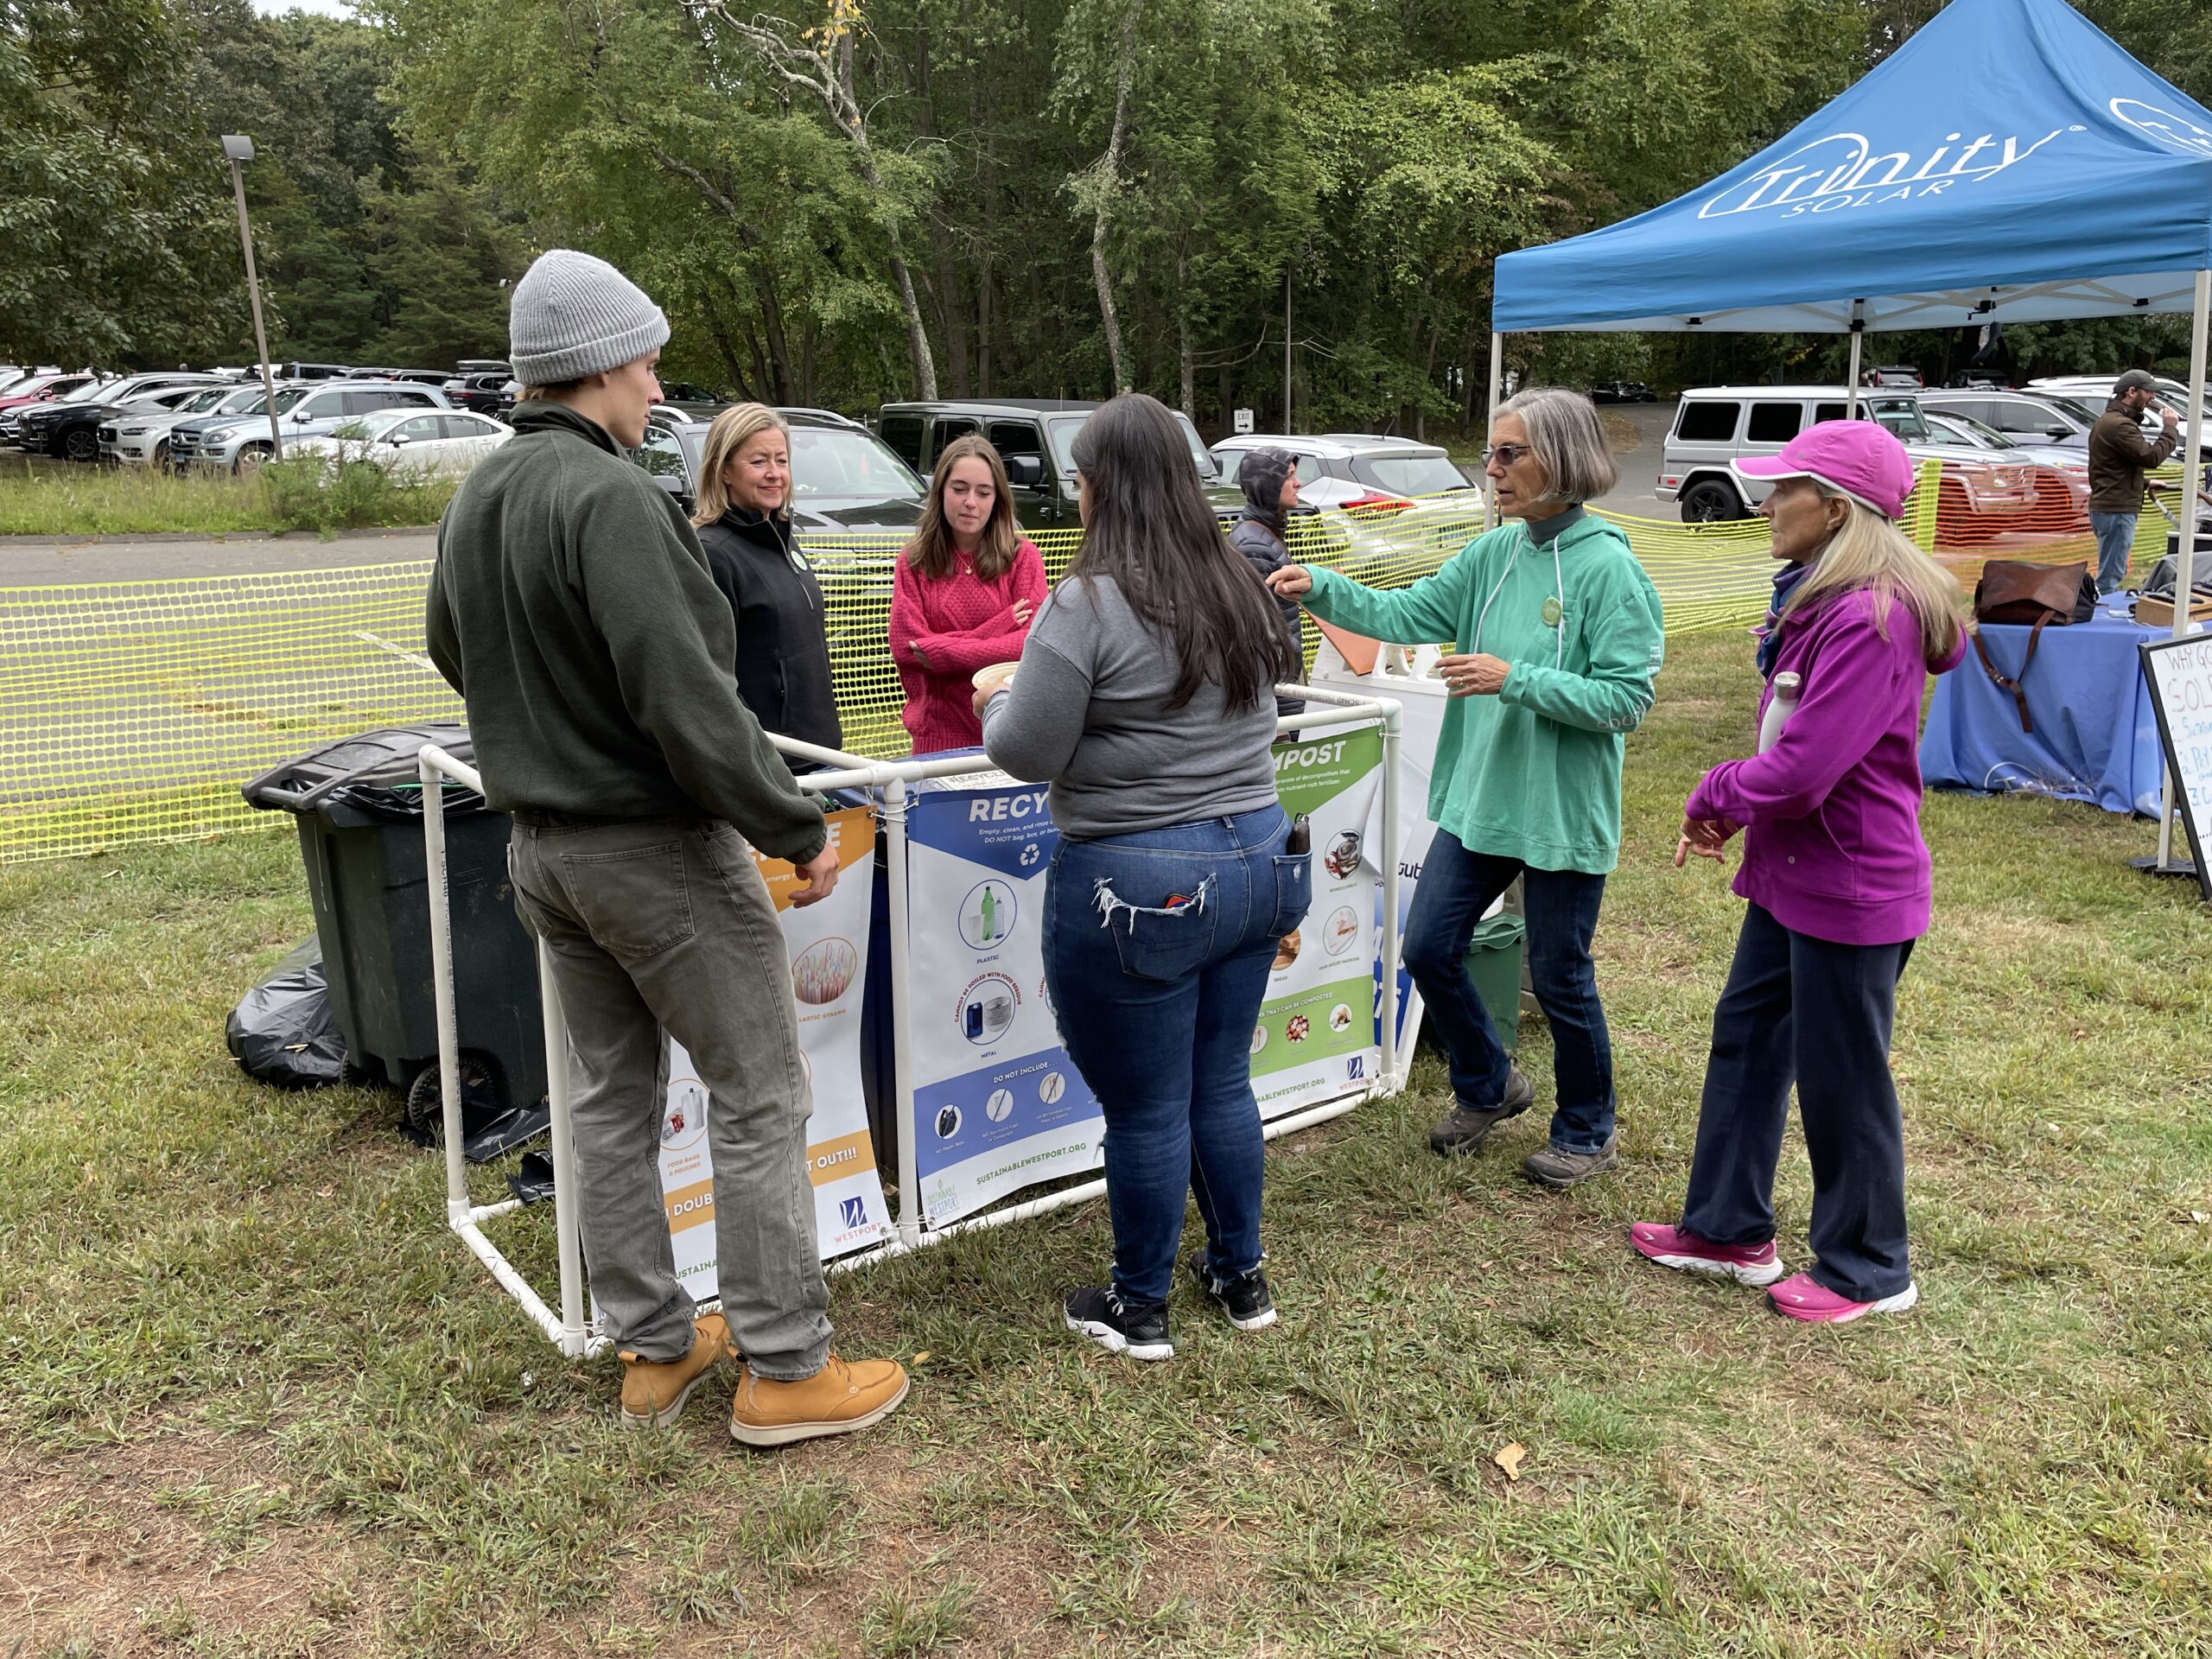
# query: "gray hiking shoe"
[1555,1168]
[1468,1127]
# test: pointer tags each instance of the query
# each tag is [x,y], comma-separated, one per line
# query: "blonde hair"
[733,428]
[1568,442]
[1867,551]
[930,552]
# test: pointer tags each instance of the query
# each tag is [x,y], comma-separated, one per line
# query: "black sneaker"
[1467,1127]
[1101,1315]
[1244,1299]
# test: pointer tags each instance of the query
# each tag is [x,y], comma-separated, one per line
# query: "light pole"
[238,148]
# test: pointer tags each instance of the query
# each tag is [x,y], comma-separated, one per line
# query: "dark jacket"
[572,610]
[783,654]
[1258,541]
[2119,456]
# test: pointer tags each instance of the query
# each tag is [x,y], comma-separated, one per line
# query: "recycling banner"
[1318,1036]
[827,945]
[997,1104]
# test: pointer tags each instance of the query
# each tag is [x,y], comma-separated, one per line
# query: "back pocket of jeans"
[634,901]
[1294,892]
[1163,941]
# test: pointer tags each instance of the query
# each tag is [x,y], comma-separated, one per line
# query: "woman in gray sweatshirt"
[1145,697]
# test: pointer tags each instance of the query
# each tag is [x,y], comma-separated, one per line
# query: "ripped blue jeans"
[1158,946]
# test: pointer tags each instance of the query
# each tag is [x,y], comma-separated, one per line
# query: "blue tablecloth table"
[2095,738]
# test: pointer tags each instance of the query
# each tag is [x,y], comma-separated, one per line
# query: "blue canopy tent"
[2008,163]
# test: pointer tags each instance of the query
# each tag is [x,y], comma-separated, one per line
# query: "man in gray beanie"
[572,609]
[2119,456]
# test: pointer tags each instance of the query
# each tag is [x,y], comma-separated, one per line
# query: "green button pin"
[1552,612]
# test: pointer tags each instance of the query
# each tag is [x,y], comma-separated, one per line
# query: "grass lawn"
[57,498]
[256,1401]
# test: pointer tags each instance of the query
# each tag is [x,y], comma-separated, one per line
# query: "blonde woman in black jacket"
[744,521]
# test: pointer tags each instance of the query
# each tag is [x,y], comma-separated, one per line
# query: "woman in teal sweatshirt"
[1559,634]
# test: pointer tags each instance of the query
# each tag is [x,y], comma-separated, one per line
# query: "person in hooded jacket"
[1559,634]
[1269,481]
[1838,885]
[744,521]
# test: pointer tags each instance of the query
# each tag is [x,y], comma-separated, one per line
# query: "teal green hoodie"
[1534,773]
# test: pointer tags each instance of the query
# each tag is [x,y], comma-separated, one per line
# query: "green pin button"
[1552,612]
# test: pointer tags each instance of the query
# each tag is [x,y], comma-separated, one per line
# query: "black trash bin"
[360,807]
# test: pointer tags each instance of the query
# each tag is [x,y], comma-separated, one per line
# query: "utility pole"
[1287,427]
[238,148]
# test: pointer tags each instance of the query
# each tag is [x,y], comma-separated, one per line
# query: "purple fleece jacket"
[1831,814]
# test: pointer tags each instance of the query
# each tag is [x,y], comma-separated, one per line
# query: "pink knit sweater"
[960,623]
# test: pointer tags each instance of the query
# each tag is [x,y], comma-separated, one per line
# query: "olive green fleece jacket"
[572,610]
[1534,773]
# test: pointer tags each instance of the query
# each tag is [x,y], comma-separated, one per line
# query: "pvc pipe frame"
[2192,479]
[570,1329]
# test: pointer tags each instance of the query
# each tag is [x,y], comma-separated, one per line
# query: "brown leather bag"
[2038,595]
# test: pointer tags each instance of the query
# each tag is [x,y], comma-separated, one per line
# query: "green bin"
[1494,961]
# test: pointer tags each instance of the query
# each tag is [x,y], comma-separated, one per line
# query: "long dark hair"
[1152,531]
[930,552]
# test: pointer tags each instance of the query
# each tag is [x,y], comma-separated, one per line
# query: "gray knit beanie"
[573,315]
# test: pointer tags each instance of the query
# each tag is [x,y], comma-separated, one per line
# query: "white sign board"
[1244,423]
[998,1105]
[1317,1039]
[2180,673]
[827,944]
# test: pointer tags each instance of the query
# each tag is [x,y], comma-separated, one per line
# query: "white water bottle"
[1779,708]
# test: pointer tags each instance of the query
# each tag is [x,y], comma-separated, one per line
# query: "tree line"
[840,201]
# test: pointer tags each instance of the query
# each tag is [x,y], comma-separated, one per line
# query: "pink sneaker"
[1803,1296]
[1670,1246]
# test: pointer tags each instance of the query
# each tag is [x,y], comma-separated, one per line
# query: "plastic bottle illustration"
[990,912]
[1779,708]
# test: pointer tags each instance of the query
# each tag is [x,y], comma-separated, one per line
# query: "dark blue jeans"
[1456,887]
[1157,950]
[1803,1010]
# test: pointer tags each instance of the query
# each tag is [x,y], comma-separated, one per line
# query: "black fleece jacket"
[783,654]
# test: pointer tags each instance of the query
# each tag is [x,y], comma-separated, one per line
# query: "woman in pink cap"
[1838,880]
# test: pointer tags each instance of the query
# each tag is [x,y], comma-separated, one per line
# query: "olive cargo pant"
[665,923]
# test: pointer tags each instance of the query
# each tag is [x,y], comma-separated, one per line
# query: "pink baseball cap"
[1857,457]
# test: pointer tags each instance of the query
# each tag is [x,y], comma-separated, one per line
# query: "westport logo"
[852,1212]
[1845,170]
[2176,132]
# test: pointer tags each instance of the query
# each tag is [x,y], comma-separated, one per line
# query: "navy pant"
[1157,947]
[1456,887]
[1803,1010]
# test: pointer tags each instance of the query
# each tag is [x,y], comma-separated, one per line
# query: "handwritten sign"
[2180,673]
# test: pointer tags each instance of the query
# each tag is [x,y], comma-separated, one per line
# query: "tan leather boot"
[837,1400]
[654,1391]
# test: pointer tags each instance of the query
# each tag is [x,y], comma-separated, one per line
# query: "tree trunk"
[1187,381]
[946,291]
[1110,181]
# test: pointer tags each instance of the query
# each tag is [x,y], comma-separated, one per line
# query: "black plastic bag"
[282,1031]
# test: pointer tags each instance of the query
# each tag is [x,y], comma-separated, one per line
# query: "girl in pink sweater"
[965,590]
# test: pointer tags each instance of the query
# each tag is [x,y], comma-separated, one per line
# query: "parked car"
[1622,392]
[139,437]
[1380,500]
[1899,374]
[1715,425]
[302,371]
[417,377]
[2063,481]
[2028,416]
[699,403]
[408,442]
[844,477]
[42,388]
[68,428]
[2090,393]
[1977,380]
[485,391]
[241,442]
[1035,436]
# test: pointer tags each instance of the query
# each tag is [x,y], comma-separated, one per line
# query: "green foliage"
[327,493]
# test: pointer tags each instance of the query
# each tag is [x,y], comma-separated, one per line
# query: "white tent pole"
[1497,380]
[1851,378]
[2192,479]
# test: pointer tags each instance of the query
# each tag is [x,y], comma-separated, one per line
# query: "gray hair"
[1568,442]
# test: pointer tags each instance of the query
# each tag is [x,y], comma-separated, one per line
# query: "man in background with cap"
[2119,456]
[572,609]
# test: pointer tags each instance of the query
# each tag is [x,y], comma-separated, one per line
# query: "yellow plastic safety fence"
[129,713]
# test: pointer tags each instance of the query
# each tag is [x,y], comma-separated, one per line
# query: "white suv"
[1715,425]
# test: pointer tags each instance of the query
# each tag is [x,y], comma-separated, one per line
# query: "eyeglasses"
[1506,454]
